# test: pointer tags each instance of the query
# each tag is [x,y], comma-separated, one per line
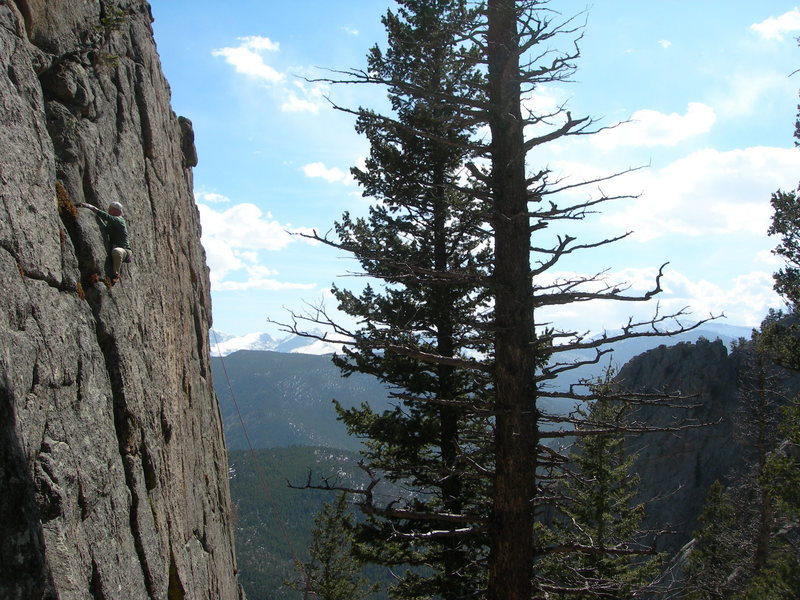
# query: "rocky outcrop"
[113,469]
[704,435]
[677,467]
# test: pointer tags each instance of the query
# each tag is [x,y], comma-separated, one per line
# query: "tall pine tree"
[426,242]
[459,256]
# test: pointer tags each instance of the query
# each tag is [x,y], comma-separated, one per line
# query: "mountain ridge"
[285,398]
[223,344]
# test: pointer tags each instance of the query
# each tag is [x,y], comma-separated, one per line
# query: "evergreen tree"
[778,578]
[518,55]
[786,224]
[457,245]
[782,470]
[333,573]
[716,549]
[425,240]
[596,535]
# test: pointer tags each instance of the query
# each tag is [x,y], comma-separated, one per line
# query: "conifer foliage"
[424,240]
[595,536]
[786,224]
[459,253]
[333,573]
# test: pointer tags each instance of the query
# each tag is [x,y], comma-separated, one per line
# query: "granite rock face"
[712,439]
[113,468]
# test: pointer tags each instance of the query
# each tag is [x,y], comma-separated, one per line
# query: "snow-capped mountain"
[223,344]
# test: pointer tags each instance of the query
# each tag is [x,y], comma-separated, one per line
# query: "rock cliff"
[113,468]
[678,467]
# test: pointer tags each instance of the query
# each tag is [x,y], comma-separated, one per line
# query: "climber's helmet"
[115,208]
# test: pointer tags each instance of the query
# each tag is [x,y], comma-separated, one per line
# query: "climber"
[117,231]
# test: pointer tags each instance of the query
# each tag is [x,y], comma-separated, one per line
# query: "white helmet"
[116,205]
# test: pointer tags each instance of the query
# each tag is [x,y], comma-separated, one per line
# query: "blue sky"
[707,87]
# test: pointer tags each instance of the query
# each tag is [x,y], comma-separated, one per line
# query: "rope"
[262,476]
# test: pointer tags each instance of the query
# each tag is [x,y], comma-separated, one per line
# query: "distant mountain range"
[283,395]
[284,399]
[223,344]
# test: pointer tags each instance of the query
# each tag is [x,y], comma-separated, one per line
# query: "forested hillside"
[274,521]
[286,399]
[675,469]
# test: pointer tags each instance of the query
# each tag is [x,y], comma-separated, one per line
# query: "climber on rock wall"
[117,231]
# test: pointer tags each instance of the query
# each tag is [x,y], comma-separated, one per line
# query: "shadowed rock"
[112,461]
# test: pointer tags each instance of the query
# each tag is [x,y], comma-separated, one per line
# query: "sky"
[706,92]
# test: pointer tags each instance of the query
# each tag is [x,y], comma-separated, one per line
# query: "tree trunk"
[511,528]
[454,560]
[765,515]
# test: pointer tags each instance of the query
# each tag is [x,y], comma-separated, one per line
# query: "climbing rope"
[262,476]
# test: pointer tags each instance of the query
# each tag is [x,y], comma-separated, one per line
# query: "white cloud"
[331,175]
[259,277]
[768,257]
[221,258]
[653,128]
[543,100]
[311,99]
[350,30]
[707,193]
[259,283]
[233,239]
[306,231]
[248,59]
[774,28]
[295,104]
[744,300]
[244,226]
[212,197]
[256,42]
[665,43]
[248,256]
[747,94]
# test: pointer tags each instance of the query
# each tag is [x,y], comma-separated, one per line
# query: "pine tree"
[782,470]
[716,548]
[786,224]
[778,577]
[333,573]
[457,252]
[424,239]
[526,357]
[596,535]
